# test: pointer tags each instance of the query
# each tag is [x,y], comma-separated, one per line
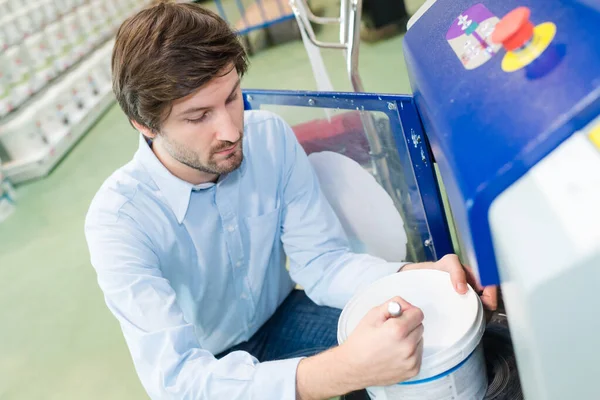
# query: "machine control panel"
[499,86]
[524,42]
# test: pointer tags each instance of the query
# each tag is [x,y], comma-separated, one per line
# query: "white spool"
[453,366]
[365,210]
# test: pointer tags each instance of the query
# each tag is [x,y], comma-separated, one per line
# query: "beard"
[215,164]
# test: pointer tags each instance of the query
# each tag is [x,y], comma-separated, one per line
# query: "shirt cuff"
[275,380]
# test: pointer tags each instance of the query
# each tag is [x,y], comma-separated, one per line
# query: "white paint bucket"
[453,366]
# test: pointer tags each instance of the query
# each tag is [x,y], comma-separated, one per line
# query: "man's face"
[204,130]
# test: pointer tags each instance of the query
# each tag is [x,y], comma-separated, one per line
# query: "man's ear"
[147,132]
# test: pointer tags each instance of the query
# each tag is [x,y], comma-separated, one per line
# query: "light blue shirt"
[191,271]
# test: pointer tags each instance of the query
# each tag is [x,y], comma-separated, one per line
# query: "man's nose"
[228,131]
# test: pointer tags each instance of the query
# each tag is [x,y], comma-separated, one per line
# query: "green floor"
[57,339]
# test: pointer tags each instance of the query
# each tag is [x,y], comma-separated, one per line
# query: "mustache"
[225,145]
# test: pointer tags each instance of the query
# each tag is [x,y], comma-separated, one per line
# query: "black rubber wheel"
[503,377]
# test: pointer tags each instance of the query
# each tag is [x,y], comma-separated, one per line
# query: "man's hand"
[460,275]
[382,350]
[387,350]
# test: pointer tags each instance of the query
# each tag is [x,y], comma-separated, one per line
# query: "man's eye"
[198,120]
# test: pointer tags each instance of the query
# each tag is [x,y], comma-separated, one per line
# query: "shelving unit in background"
[55,77]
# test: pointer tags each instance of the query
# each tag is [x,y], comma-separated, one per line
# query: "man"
[189,239]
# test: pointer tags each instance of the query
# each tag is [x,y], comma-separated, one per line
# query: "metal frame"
[349,21]
[409,138]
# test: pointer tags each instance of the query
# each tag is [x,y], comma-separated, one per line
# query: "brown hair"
[166,52]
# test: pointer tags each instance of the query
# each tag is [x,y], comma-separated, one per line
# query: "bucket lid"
[453,323]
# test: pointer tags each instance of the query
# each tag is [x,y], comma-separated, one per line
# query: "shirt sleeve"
[165,351]
[314,240]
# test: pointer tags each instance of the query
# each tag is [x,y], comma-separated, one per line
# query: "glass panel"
[378,213]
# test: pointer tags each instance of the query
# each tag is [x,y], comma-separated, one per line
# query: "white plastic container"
[15,5]
[113,13]
[42,59]
[5,99]
[453,365]
[104,29]
[5,94]
[90,23]
[52,125]
[16,65]
[5,8]
[65,6]
[61,46]
[50,12]
[36,16]
[3,39]
[12,34]
[76,35]
[70,99]
[24,23]
[22,137]
[100,81]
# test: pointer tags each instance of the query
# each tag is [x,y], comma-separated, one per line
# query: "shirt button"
[244,296]
[231,228]
[238,264]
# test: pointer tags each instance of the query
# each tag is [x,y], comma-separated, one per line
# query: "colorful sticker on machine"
[470,36]
[594,135]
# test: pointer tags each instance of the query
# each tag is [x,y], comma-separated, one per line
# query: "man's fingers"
[381,313]
[406,323]
[458,277]
[489,298]
[404,305]
[451,264]
[489,294]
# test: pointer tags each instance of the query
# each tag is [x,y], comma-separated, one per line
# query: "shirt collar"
[176,191]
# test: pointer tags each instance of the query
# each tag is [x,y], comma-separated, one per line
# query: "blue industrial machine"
[496,156]
[515,130]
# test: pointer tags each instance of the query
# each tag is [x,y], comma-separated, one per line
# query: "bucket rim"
[440,361]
